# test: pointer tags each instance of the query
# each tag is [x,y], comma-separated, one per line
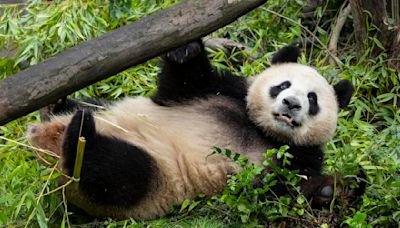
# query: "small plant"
[250,193]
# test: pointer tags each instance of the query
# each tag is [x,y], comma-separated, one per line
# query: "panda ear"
[288,54]
[344,89]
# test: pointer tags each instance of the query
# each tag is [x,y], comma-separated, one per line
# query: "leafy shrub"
[260,204]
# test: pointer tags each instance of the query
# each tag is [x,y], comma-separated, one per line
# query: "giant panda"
[144,155]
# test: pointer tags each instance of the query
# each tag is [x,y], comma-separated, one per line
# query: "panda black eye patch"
[313,100]
[275,90]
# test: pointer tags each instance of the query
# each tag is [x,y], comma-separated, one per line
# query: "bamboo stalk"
[79,158]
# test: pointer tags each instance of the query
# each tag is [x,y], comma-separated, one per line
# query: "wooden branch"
[341,20]
[114,52]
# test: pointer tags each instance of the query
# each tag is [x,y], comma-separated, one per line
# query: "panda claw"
[186,53]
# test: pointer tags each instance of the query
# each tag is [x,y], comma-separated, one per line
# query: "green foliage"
[24,183]
[368,132]
[359,220]
[258,205]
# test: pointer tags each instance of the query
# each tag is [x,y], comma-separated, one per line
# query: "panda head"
[293,103]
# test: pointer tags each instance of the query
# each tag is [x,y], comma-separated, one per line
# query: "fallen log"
[114,52]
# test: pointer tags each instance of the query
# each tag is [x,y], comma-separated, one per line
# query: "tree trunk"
[114,52]
[359,26]
[375,12]
[395,52]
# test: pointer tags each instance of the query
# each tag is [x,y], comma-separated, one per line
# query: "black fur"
[236,119]
[307,159]
[187,74]
[276,90]
[114,172]
[344,89]
[288,54]
[313,100]
[66,105]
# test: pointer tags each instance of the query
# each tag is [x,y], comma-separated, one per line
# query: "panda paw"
[47,135]
[321,190]
[82,124]
[185,53]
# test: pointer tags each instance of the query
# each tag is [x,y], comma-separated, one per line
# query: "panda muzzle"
[288,119]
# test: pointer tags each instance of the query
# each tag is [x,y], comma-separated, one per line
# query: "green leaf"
[243,208]
[385,97]
[184,205]
[3,217]
[193,205]
[300,211]
[18,208]
[378,43]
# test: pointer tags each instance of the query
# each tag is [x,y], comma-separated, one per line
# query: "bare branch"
[341,20]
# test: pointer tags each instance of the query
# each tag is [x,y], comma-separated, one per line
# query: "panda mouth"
[287,119]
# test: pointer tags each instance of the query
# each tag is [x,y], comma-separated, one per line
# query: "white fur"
[179,138]
[314,130]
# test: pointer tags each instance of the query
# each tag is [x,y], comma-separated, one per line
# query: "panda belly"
[179,139]
[193,129]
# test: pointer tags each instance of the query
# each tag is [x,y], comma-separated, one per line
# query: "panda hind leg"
[114,173]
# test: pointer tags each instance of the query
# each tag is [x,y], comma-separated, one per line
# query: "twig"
[41,194]
[32,147]
[58,188]
[316,30]
[395,11]
[334,194]
[226,45]
[65,215]
[333,42]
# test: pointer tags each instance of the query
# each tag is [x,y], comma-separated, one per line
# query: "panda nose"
[292,103]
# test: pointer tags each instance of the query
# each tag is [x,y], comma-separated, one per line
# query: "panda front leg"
[321,190]
[187,73]
[67,105]
[115,175]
